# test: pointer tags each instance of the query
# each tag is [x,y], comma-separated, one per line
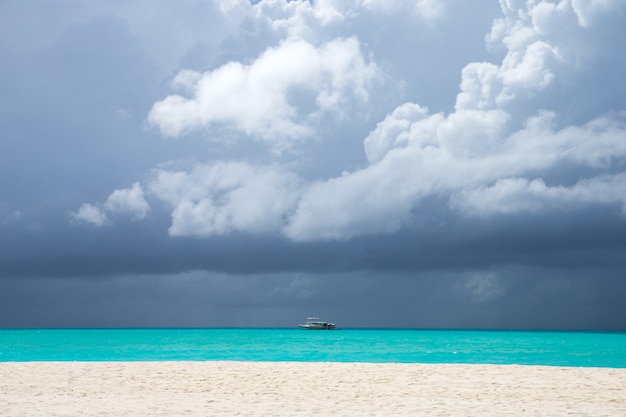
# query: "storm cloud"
[237,163]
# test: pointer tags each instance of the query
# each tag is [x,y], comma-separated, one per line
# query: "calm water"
[409,346]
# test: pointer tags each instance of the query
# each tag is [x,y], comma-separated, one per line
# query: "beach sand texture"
[306,389]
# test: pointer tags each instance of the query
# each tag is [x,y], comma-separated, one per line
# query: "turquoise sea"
[591,349]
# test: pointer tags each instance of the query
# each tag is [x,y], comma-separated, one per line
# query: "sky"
[227,163]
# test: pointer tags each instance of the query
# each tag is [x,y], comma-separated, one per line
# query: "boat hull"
[323,326]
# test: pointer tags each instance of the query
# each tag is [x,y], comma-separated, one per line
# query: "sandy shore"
[306,389]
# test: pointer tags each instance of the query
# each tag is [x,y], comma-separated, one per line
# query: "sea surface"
[590,349]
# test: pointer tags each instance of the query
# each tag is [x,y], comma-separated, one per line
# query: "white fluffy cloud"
[518,195]
[128,202]
[475,155]
[433,156]
[423,9]
[215,199]
[90,214]
[258,99]
[308,18]
[510,127]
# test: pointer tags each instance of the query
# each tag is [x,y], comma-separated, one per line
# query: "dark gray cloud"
[510,297]
[223,164]
[582,239]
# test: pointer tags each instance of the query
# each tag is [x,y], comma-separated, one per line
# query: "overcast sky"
[409,163]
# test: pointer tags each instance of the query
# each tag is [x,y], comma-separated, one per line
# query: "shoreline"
[291,362]
[228,388]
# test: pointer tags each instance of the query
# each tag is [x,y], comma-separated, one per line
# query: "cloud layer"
[432,159]
[496,153]
[255,99]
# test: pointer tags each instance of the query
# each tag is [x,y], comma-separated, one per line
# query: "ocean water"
[590,349]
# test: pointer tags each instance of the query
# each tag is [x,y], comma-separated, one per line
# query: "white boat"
[314,323]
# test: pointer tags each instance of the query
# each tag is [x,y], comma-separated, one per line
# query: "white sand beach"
[306,389]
